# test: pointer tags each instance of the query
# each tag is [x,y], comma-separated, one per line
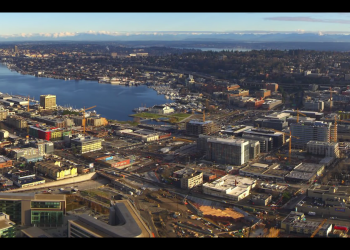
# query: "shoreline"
[14,68]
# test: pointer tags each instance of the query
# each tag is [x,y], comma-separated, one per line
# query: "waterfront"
[216,49]
[113,101]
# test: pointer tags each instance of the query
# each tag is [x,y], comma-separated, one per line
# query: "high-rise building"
[228,151]
[16,49]
[48,101]
[311,131]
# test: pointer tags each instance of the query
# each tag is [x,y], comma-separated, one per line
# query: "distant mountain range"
[180,36]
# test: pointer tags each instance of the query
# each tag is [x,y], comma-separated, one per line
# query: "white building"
[310,131]
[230,187]
[327,149]
[162,110]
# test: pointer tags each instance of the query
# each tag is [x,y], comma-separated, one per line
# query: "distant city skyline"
[70,24]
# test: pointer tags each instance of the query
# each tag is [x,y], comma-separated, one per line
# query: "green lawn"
[178,116]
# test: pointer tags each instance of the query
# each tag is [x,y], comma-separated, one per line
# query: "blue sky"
[17,23]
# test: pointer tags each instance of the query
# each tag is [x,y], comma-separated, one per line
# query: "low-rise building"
[5,162]
[86,144]
[305,172]
[261,199]
[189,178]
[56,170]
[197,127]
[295,223]
[162,110]
[230,186]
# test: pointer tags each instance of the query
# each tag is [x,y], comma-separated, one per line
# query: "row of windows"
[77,232]
[36,204]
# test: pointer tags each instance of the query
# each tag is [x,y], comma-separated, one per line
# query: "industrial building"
[141,134]
[305,172]
[230,186]
[327,149]
[334,200]
[264,171]
[48,101]
[7,227]
[56,170]
[228,151]
[295,222]
[86,144]
[316,115]
[278,138]
[30,209]
[311,131]
[189,178]
[197,127]
[124,222]
[117,162]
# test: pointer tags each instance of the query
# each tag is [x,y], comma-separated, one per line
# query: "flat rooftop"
[125,222]
[229,182]
[308,167]
[35,232]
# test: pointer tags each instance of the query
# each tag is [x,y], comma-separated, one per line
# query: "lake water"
[216,49]
[112,101]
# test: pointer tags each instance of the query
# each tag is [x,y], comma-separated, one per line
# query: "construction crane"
[330,100]
[84,119]
[298,112]
[290,142]
[318,228]
[203,115]
[28,104]
[334,138]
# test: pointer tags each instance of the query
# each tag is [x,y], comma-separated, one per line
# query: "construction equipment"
[318,228]
[290,142]
[334,137]
[28,105]
[298,112]
[203,115]
[84,119]
[330,100]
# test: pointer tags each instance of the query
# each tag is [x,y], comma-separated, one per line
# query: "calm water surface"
[112,101]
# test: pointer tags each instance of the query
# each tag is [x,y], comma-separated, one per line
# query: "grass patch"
[132,123]
[173,118]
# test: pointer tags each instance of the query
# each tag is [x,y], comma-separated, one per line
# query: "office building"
[86,144]
[48,101]
[273,87]
[278,138]
[316,115]
[266,143]
[314,105]
[30,209]
[327,149]
[311,131]
[124,222]
[263,93]
[228,151]
[197,127]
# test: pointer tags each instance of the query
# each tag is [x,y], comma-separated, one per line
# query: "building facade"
[48,101]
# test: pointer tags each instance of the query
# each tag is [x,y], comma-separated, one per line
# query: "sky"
[69,23]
